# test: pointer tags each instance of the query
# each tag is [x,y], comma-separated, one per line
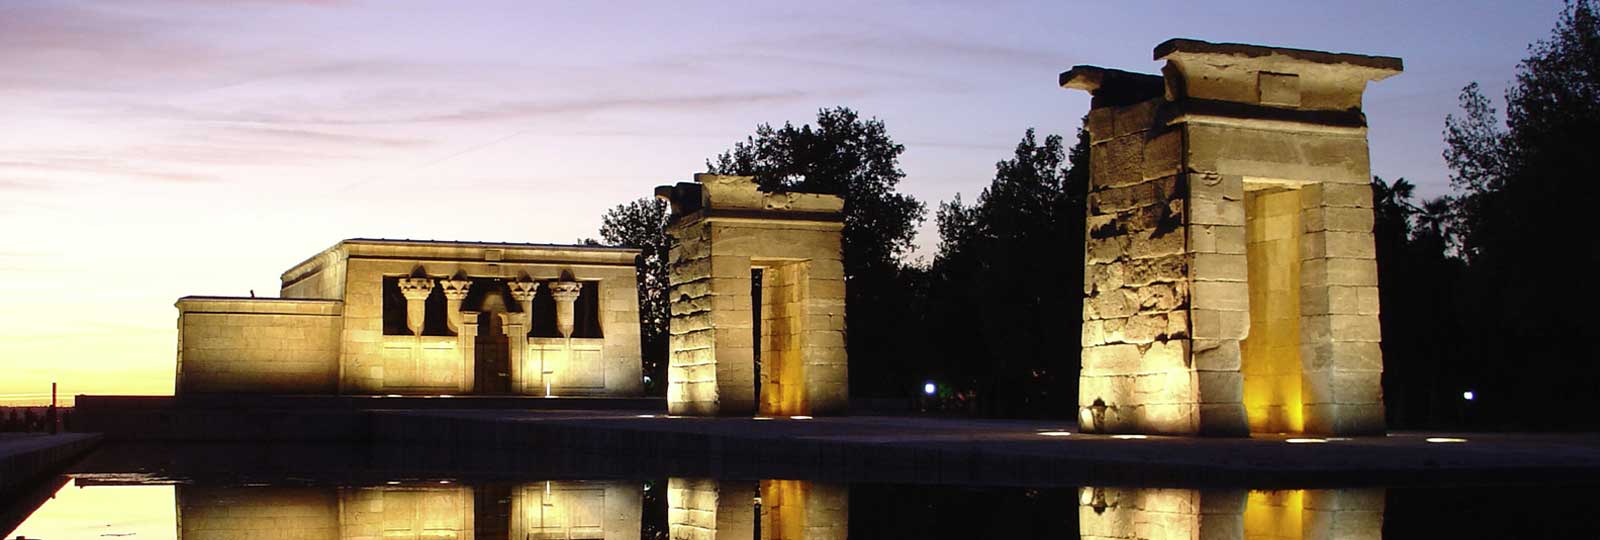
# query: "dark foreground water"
[215,493]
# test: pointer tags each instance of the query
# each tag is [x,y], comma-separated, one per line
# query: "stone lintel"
[1112,87]
[1377,67]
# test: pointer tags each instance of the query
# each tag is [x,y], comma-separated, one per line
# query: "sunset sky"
[155,149]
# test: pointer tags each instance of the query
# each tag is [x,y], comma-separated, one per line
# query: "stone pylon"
[1230,280]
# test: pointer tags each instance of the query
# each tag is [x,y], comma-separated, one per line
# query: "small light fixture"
[762,418]
[802,417]
[1305,440]
[393,395]
[1130,437]
[392,483]
[1445,440]
[928,388]
[644,416]
[1468,395]
[1055,433]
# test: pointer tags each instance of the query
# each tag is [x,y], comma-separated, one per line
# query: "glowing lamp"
[1445,440]
[929,388]
[1468,395]
[1305,441]
[1055,433]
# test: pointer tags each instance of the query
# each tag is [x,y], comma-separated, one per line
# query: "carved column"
[455,290]
[516,328]
[416,290]
[467,339]
[566,295]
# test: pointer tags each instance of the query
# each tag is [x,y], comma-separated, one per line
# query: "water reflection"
[1124,513]
[691,509]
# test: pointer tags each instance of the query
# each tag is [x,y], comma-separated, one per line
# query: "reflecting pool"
[174,495]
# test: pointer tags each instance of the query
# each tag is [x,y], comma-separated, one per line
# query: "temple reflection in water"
[704,509]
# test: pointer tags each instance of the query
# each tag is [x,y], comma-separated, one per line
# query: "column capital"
[523,291]
[416,288]
[565,291]
[455,289]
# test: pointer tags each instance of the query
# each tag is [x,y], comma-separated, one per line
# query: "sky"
[155,149]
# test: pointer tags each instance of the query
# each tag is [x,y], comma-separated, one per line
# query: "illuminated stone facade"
[422,317]
[727,232]
[1231,281]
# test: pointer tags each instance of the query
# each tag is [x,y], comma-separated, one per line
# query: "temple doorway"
[492,353]
[780,359]
[1270,352]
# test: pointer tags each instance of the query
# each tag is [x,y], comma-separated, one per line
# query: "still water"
[118,498]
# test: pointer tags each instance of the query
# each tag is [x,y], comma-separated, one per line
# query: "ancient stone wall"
[724,228]
[257,345]
[1136,339]
[706,509]
[369,356]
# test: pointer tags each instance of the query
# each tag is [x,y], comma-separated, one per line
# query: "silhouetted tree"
[1522,215]
[642,224]
[1009,278]
[856,159]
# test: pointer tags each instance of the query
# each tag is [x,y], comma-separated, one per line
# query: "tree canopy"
[855,158]
[642,224]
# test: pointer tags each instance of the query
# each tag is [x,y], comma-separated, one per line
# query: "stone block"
[1339,271]
[1217,325]
[1219,267]
[1115,304]
[1093,333]
[1215,211]
[1178,324]
[1122,161]
[1331,218]
[1220,295]
[1337,195]
[1136,118]
[1350,245]
[1222,420]
[1324,328]
[1163,269]
[1141,329]
[1112,390]
[1347,355]
[1115,359]
[1156,243]
[1227,187]
[1103,277]
[1171,356]
[1339,386]
[1100,124]
[1163,154]
[1216,355]
[1221,239]
[1220,386]
[1159,297]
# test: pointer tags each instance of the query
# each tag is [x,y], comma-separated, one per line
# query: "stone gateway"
[1231,283]
[729,235]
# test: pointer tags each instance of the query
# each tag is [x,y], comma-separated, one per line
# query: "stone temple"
[1231,282]
[422,317]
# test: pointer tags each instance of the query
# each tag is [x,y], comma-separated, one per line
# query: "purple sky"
[162,148]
